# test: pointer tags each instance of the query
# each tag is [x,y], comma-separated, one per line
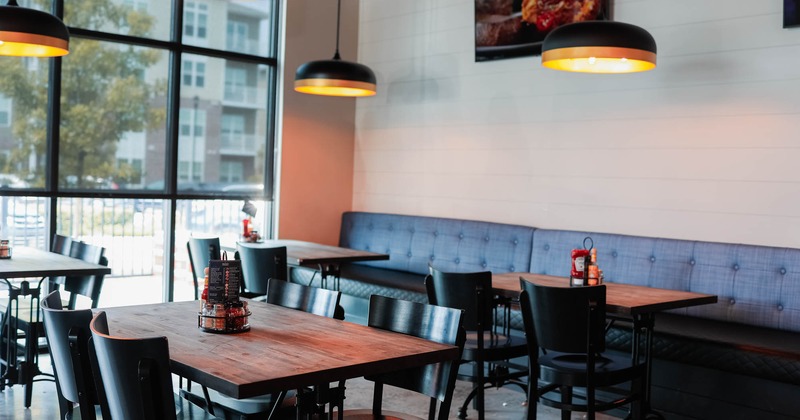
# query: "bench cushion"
[361,282]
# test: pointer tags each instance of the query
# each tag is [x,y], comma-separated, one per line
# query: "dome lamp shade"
[335,77]
[599,47]
[28,32]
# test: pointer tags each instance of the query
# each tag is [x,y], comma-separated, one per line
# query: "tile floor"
[504,403]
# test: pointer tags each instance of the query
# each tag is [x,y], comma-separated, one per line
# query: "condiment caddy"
[585,271]
[221,311]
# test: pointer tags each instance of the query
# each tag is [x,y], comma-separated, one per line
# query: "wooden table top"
[621,299]
[284,349]
[310,253]
[32,262]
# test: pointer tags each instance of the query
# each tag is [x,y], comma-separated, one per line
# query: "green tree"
[104,95]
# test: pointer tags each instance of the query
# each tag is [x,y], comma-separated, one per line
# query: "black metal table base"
[14,371]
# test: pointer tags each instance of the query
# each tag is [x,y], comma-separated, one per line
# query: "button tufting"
[780,307]
[614,254]
[736,267]
[486,239]
[783,271]
[484,265]
[435,233]
[733,301]
[411,230]
[512,268]
[387,251]
[370,227]
[391,228]
[692,262]
[458,261]
[366,248]
[547,247]
[409,254]
[515,241]
[652,259]
[432,257]
[460,236]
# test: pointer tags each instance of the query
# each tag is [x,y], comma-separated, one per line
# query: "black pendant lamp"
[335,77]
[599,47]
[28,32]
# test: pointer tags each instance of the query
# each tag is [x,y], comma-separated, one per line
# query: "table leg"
[643,325]
[326,270]
[312,402]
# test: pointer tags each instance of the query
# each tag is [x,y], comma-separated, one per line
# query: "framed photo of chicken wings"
[515,28]
[791,13]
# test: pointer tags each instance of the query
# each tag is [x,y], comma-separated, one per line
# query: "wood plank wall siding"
[704,147]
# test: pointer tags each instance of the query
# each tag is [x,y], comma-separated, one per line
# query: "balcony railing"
[244,95]
[237,144]
[245,46]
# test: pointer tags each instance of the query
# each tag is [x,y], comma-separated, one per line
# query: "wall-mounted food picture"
[515,28]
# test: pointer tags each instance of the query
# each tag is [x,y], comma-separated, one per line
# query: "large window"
[144,135]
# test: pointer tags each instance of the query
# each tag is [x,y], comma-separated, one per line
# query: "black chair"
[315,300]
[201,251]
[87,286]
[488,348]
[136,374]
[437,381]
[258,266]
[565,329]
[74,362]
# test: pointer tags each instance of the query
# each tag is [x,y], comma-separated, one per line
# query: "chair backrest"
[471,292]
[199,255]
[260,265]
[435,323]
[68,338]
[89,286]
[309,299]
[136,372]
[564,319]
[61,245]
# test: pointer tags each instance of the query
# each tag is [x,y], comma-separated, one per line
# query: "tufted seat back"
[450,245]
[756,285]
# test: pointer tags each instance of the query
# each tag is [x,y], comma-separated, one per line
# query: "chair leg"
[29,365]
[209,403]
[533,392]
[462,411]
[479,398]
[566,398]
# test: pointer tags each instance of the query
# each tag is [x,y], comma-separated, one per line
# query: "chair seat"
[570,369]
[185,410]
[498,347]
[243,406]
[366,414]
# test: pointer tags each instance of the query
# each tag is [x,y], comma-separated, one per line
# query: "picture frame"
[791,13]
[516,28]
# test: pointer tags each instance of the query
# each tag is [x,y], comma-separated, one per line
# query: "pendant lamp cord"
[338,19]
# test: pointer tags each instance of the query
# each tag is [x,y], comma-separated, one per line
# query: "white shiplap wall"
[706,147]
